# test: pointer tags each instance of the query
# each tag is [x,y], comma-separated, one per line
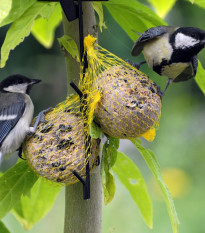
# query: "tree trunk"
[82,216]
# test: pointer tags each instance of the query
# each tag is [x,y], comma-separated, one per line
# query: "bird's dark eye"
[193,35]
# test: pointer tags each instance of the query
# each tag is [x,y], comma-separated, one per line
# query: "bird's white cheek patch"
[7,117]
[19,88]
[182,41]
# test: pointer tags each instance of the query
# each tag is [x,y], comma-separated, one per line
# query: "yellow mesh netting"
[124,101]
[58,146]
[121,100]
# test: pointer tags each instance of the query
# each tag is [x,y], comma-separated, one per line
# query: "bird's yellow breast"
[173,70]
[157,49]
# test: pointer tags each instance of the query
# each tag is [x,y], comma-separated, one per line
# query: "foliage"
[198,2]
[200,81]
[109,156]
[152,163]
[21,27]
[99,10]
[162,7]
[3,228]
[37,204]
[127,13]
[68,45]
[21,190]
[16,182]
[130,176]
[44,27]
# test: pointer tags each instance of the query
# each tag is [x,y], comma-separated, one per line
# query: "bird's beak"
[35,81]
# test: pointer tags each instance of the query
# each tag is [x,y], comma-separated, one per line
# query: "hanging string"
[87,139]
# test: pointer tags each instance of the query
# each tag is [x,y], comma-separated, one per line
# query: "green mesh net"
[119,98]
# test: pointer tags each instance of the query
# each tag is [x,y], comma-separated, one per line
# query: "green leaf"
[200,3]
[13,9]
[44,29]
[108,182]
[150,159]
[130,176]
[68,45]
[200,77]
[109,188]
[95,131]
[109,155]
[22,28]
[112,150]
[114,143]
[5,9]
[16,181]
[99,9]
[34,207]
[162,7]
[133,16]
[3,228]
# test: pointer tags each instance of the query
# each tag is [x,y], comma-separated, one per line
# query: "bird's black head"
[17,83]
[188,41]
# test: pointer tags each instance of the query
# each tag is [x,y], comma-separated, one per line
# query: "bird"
[171,51]
[16,113]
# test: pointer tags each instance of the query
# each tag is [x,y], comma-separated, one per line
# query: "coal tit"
[16,112]
[171,51]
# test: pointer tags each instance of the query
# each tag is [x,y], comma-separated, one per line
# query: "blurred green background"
[179,144]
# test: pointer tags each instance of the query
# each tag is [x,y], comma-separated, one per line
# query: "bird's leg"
[136,65]
[169,81]
[40,118]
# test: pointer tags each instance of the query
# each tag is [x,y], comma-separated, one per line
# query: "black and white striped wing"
[146,36]
[11,109]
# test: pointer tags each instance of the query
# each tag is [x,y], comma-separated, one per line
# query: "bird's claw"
[41,117]
[20,150]
[160,93]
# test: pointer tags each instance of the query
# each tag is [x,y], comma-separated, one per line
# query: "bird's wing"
[189,72]
[11,109]
[146,36]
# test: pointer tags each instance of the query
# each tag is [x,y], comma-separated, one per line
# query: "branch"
[80,215]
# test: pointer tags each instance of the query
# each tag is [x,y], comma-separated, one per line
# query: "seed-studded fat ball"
[129,104]
[58,147]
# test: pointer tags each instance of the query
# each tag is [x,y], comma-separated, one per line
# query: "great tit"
[171,51]
[16,112]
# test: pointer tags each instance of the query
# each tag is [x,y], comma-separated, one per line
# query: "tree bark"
[82,216]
